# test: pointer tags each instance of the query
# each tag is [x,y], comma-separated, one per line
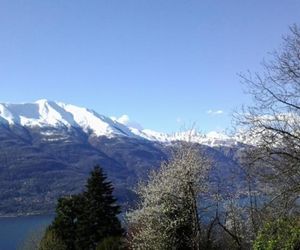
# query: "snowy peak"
[99,124]
[211,139]
[40,113]
[44,113]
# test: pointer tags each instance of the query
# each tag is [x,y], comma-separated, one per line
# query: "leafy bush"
[51,241]
[281,234]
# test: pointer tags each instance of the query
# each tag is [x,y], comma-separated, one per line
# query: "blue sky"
[164,63]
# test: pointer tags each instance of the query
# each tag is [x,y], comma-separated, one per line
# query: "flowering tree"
[167,215]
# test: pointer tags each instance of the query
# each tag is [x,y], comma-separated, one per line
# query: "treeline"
[180,206]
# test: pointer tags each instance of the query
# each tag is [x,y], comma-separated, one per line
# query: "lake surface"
[14,230]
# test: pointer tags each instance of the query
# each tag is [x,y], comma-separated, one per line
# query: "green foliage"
[111,243]
[51,241]
[281,234]
[84,220]
[65,223]
[99,219]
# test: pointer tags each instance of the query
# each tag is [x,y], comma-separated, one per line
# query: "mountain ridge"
[47,150]
[45,113]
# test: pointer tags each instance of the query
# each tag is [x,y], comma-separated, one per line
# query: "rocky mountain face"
[47,150]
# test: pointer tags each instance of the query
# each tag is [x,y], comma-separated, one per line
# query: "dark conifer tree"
[99,220]
[82,221]
[65,223]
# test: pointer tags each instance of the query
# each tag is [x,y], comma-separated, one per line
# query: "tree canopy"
[167,216]
[84,220]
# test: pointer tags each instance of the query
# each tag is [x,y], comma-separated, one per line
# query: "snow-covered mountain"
[211,139]
[44,113]
[47,150]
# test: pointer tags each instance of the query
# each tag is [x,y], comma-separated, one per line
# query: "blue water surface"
[14,230]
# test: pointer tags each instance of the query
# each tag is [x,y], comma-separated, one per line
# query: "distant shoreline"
[25,215]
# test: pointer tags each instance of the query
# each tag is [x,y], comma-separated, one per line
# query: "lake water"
[14,230]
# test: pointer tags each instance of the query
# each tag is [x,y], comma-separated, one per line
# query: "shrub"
[281,234]
[51,241]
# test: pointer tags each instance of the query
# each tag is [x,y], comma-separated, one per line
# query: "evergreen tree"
[68,210]
[83,221]
[99,219]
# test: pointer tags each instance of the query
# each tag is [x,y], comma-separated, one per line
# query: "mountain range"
[44,113]
[47,150]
